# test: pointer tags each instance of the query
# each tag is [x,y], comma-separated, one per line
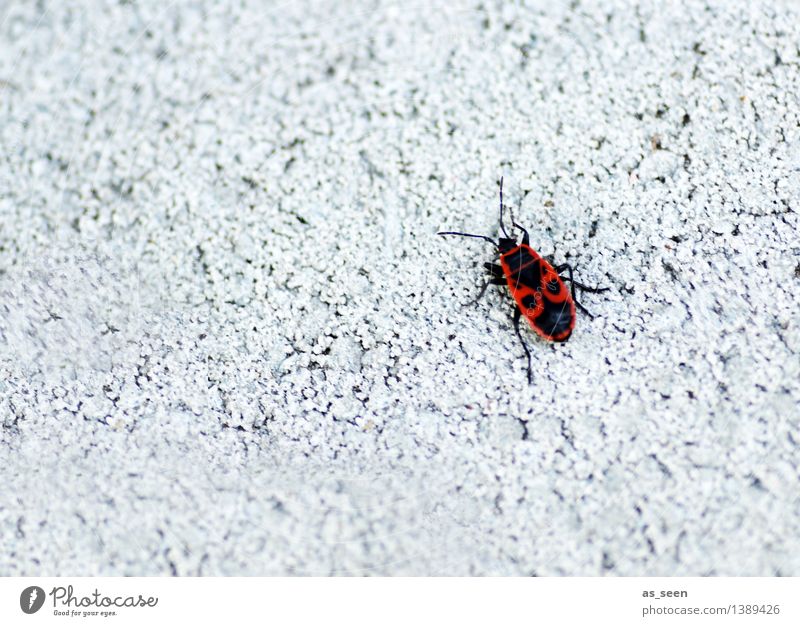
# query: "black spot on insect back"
[529,301]
[555,319]
[522,257]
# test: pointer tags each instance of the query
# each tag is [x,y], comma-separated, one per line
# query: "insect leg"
[582,308]
[479,296]
[497,279]
[568,267]
[573,284]
[581,286]
[491,281]
[495,270]
[517,315]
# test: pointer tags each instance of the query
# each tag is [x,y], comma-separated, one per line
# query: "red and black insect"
[537,287]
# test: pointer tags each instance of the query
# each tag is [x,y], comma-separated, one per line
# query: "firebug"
[535,284]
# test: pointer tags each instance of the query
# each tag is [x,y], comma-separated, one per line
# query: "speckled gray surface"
[230,342]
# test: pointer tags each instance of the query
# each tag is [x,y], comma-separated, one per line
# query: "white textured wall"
[231,343]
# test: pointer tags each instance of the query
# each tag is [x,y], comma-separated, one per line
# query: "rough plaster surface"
[230,342]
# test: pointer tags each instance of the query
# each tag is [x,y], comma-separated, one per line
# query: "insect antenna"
[489,239]
[502,226]
[511,214]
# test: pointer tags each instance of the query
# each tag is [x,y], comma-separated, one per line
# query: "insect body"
[538,290]
[537,287]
